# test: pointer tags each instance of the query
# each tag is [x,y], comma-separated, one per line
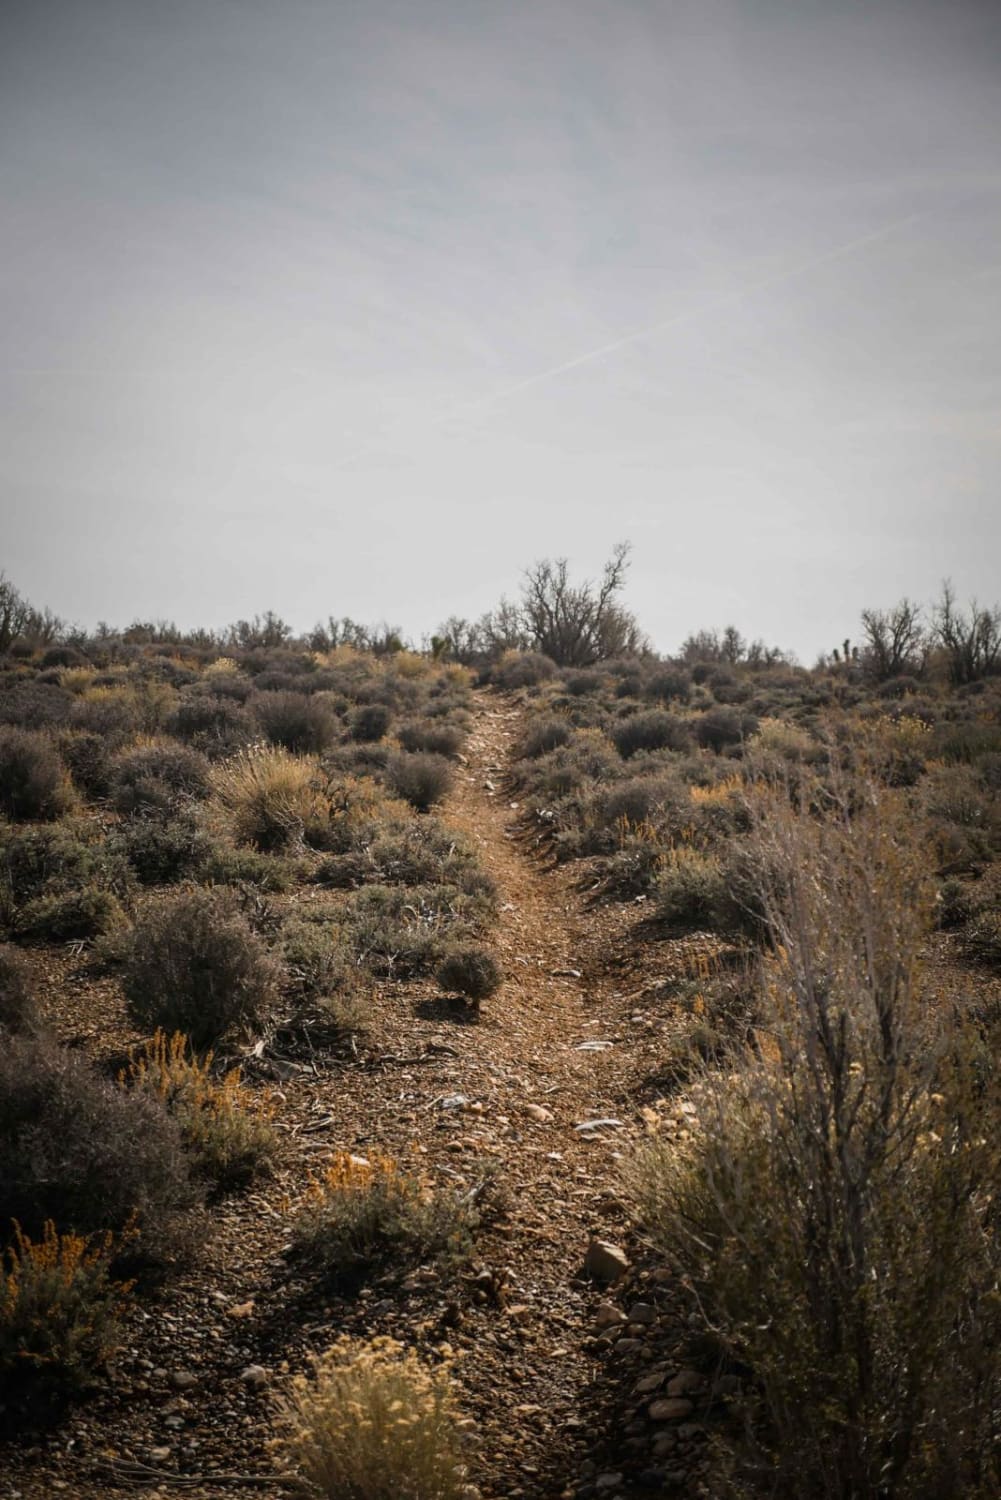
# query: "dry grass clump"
[373,1421]
[195,965]
[365,1216]
[59,1312]
[227,1132]
[834,1212]
[274,798]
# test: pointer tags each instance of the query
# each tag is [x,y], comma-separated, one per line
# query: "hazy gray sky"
[361,307]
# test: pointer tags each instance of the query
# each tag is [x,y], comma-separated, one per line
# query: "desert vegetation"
[259,947]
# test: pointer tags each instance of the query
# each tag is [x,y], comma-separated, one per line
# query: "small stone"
[159,1455]
[649,1384]
[628,1346]
[684,1382]
[255,1376]
[605,1262]
[608,1481]
[538,1112]
[664,1443]
[520,1313]
[670,1409]
[642,1312]
[183,1380]
[607,1315]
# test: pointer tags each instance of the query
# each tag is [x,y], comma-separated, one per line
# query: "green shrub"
[317,960]
[691,890]
[33,858]
[215,725]
[196,966]
[297,721]
[366,1217]
[422,780]
[471,971]
[406,931]
[982,939]
[59,1314]
[76,1150]
[88,759]
[18,1008]
[33,779]
[668,685]
[520,669]
[720,728]
[223,864]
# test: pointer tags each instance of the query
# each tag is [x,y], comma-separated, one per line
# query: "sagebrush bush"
[652,730]
[18,1007]
[63,916]
[87,757]
[403,931]
[420,779]
[833,1208]
[691,890]
[154,775]
[364,1216]
[195,965]
[373,1421]
[316,957]
[542,735]
[519,669]
[60,1312]
[436,739]
[299,722]
[370,722]
[417,852]
[34,784]
[214,724]
[981,939]
[162,851]
[471,971]
[32,859]
[226,1131]
[722,728]
[77,1150]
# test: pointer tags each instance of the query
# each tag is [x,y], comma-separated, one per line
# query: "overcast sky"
[360,306]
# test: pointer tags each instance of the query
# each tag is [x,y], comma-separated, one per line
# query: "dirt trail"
[553,1064]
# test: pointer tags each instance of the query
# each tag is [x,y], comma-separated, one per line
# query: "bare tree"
[578,623]
[894,640]
[14,613]
[972,641]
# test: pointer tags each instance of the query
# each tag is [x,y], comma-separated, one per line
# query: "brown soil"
[530,1070]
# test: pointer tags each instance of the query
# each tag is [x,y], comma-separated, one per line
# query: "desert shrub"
[668,685]
[365,1217]
[296,721]
[542,735]
[520,669]
[982,939]
[833,1209]
[59,1313]
[316,957]
[162,851]
[586,759]
[582,684]
[18,1008]
[87,757]
[641,797]
[418,852]
[33,858]
[406,930]
[33,779]
[107,710]
[275,799]
[956,903]
[76,1150]
[370,722]
[227,1134]
[62,916]
[634,866]
[373,1421]
[421,779]
[195,965]
[224,864]
[152,776]
[436,739]
[216,725]
[691,890]
[471,971]
[35,705]
[720,728]
[650,731]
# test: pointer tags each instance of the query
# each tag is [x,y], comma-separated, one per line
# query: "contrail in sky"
[649,330]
